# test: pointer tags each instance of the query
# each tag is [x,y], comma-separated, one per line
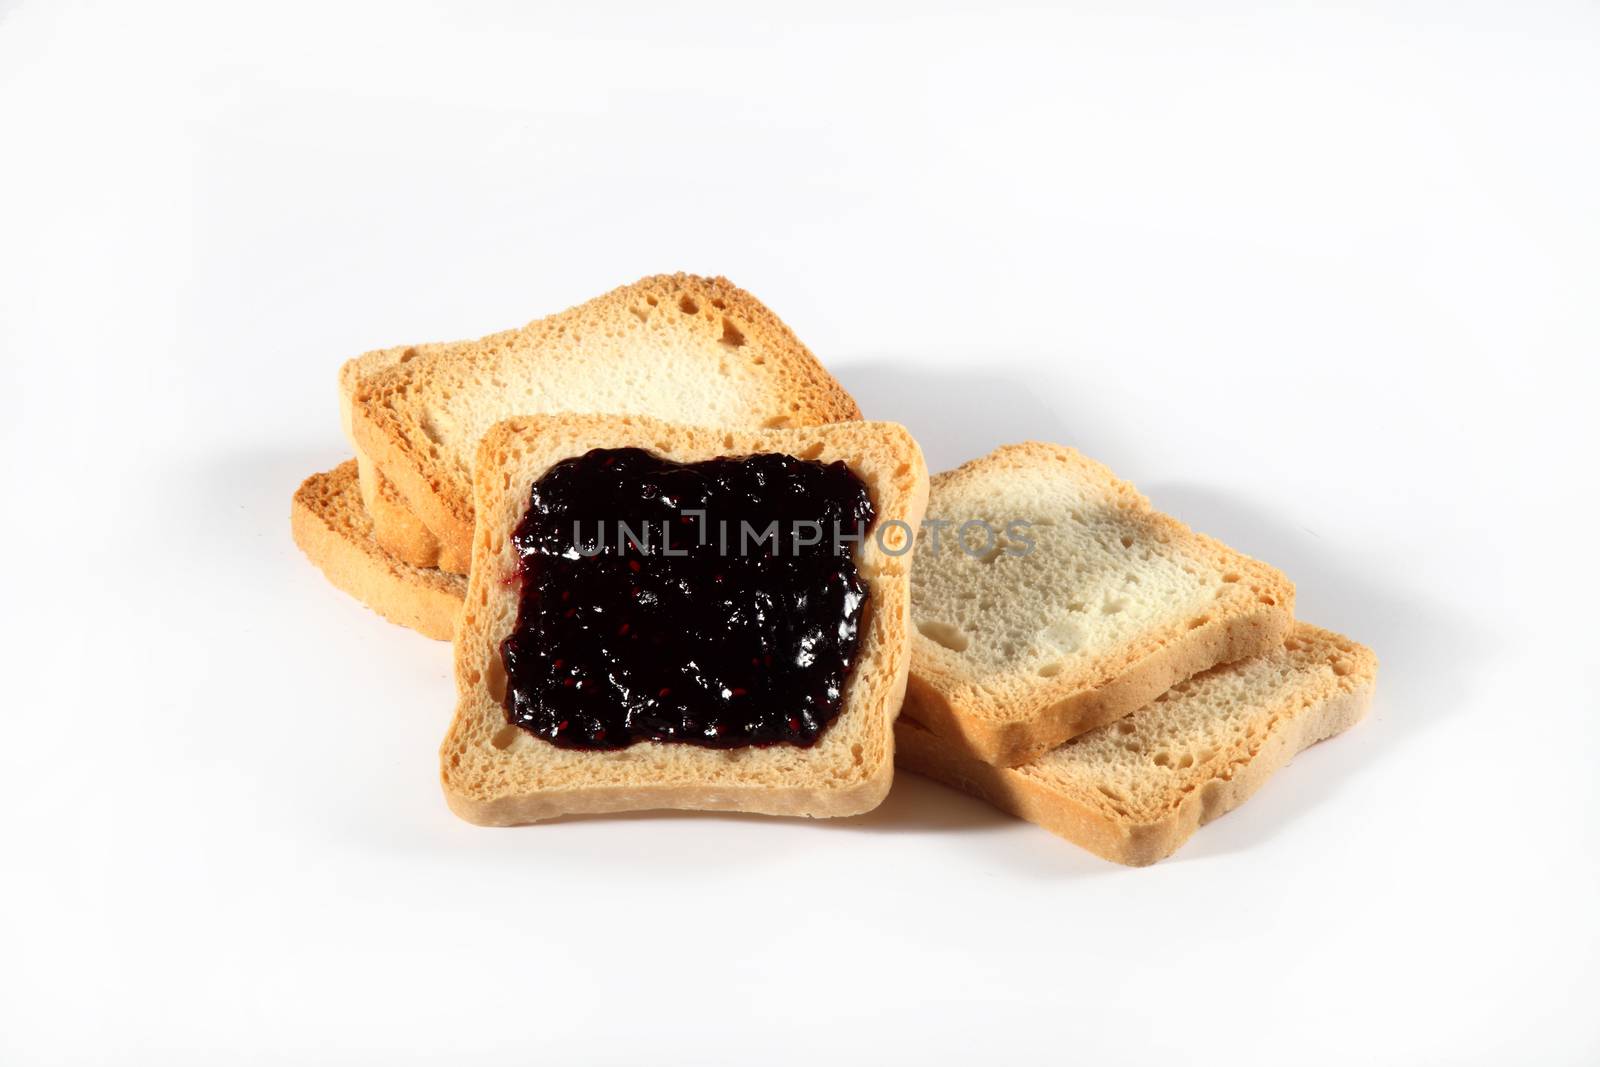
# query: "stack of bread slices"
[1037,635]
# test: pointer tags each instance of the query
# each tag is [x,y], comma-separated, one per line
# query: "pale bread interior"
[677,347]
[1109,587]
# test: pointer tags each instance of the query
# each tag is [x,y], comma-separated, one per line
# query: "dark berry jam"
[713,603]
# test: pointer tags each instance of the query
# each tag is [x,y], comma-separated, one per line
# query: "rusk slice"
[498,774]
[331,526]
[698,351]
[1134,790]
[1019,648]
[394,526]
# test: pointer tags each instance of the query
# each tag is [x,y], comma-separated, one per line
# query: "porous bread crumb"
[1017,651]
[698,351]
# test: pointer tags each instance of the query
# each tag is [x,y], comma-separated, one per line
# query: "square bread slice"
[1070,603]
[394,526]
[699,351]
[495,773]
[331,527]
[1136,789]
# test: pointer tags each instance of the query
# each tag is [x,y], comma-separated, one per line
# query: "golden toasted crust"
[1010,719]
[496,774]
[1315,686]
[396,529]
[331,527]
[419,420]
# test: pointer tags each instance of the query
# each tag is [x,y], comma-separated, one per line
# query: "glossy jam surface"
[694,620]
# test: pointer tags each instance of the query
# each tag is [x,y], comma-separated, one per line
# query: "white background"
[1323,283]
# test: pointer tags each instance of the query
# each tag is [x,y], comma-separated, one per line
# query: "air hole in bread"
[1126,727]
[1162,759]
[810,451]
[1127,540]
[1050,670]
[640,313]
[776,422]
[1195,624]
[1186,762]
[504,737]
[1341,668]
[947,634]
[727,440]
[651,301]
[1269,602]
[855,754]
[687,305]
[1230,577]
[408,355]
[494,680]
[731,336]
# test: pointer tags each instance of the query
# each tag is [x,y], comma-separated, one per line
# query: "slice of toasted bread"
[332,528]
[694,350]
[1136,789]
[394,526]
[498,774]
[1073,604]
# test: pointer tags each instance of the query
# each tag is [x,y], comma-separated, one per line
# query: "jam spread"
[714,603]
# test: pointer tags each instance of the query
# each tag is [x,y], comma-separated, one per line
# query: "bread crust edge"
[1134,845]
[359,571]
[967,718]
